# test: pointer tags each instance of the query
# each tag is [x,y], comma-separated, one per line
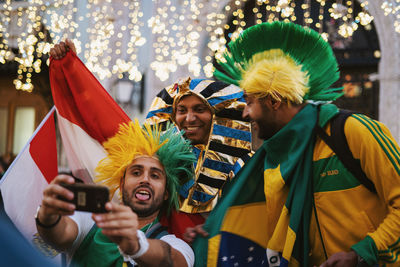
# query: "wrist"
[361,262]
[367,250]
[46,223]
[143,247]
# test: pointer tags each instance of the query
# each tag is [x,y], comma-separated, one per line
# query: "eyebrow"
[195,106]
[157,170]
[138,166]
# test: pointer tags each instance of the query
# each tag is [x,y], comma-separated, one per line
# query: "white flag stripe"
[23,192]
[83,152]
[27,143]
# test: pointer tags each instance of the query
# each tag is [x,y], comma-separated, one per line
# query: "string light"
[338,10]
[392,8]
[178,31]
[284,7]
[114,31]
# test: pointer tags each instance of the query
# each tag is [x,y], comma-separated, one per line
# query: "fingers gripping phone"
[88,197]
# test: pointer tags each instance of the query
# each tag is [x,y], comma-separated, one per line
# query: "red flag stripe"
[81,99]
[43,148]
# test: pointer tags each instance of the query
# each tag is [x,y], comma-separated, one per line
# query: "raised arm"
[60,50]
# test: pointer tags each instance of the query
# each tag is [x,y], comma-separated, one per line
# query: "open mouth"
[143,194]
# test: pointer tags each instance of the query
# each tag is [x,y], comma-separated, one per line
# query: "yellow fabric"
[321,150]
[379,168]
[277,241]
[275,194]
[288,248]
[251,228]
[343,225]
[213,249]
[364,212]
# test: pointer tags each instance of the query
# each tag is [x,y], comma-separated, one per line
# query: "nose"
[145,177]
[245,113]
[190,116]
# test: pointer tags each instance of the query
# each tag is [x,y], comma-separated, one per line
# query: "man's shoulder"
[361,128]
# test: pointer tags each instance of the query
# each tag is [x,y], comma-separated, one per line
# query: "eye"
[200,109]
[155,175]
[136,172]
[180,110]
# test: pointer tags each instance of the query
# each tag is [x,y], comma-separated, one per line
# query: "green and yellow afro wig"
[132,141]
[283,60]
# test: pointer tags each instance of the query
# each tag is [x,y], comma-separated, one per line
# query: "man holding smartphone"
[147,168]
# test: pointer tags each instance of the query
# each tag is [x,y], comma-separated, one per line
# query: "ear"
[121,182]
[275,104]
[271,102]
[166,195]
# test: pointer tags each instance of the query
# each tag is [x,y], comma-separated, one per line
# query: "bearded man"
[147,168]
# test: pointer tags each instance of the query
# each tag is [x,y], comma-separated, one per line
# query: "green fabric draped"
[291,149]
[98,250]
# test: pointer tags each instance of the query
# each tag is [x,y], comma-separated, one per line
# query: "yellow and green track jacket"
[348,214]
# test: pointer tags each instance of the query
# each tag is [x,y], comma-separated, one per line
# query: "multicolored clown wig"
[133,141]
[282,60]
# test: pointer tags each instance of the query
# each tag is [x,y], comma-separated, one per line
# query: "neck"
[289,111]
[143,221]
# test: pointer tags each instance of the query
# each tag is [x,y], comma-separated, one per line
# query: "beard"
[142,210]
[267,125]
[265,132]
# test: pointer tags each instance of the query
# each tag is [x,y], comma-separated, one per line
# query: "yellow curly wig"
[131,141]
[276,74]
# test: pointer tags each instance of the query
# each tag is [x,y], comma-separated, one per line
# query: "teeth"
[143,192]
[191,128]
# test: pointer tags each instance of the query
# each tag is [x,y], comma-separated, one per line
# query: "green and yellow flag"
[263,218]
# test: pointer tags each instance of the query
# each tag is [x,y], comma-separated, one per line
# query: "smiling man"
[210,114]
[147,168]
[317,211]
[194,116]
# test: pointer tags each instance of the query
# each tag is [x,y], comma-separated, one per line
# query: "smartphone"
[88,197]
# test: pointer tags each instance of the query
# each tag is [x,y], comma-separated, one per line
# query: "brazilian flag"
[264,215]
